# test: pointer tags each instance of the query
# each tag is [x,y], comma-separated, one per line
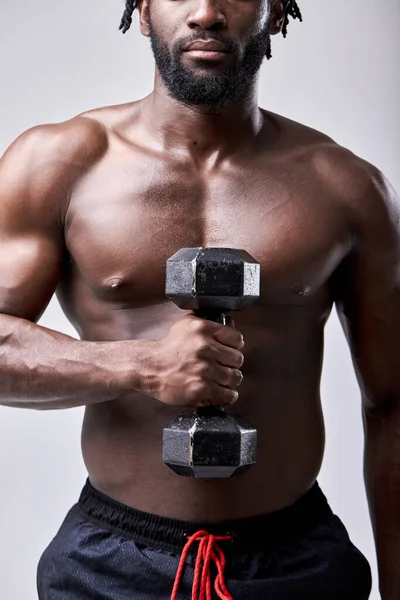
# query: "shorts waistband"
[171,534]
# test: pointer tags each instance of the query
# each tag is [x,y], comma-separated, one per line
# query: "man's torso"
[279,199]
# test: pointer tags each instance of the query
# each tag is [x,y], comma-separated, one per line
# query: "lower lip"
[206,54]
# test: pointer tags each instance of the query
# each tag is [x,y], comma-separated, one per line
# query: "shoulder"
[81,140]
[78,140]
[40,168]
[354,185]
[359,189]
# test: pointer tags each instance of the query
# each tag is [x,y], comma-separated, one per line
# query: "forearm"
[43,369]
[382,478]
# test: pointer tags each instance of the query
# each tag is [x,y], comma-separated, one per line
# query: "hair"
[292,10]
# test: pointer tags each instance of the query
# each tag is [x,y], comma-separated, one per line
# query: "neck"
[199,131]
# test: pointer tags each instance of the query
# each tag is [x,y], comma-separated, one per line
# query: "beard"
[204,87]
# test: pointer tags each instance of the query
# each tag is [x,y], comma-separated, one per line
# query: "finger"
[228,357]
[229,337]
[222,396]
[230,378]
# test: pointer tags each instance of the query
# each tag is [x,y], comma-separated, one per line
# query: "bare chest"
[125,222]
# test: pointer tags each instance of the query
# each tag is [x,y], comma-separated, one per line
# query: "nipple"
[114,283]
[302,290]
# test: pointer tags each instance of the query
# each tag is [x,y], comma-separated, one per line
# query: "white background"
[337,72]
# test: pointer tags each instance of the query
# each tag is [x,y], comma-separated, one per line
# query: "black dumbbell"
[210,443]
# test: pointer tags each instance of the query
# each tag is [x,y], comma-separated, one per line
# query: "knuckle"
[239,360]
[212,351]
[198,324]
[196,389]
[233,395]
[202,369]
[227,396]
[234,378]
[224,377]
[202,348]
[238,337]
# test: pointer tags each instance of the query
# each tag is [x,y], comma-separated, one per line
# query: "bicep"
[30,267]
[31,240]
[368,297]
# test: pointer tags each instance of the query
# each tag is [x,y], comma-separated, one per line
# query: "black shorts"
[106,550]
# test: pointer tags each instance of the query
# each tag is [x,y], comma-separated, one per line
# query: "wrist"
[139,372]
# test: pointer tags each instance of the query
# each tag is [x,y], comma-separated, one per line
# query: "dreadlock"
[126,20]
[292,10]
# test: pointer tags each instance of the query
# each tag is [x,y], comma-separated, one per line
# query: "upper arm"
[37,174]
[367,293]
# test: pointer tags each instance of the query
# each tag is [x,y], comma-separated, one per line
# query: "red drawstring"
[208,549]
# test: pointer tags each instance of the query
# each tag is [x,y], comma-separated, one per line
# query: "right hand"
[198,364]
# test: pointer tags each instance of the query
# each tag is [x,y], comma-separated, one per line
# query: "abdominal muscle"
[122,450]
[279,395]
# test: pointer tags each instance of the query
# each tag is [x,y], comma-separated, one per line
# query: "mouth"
[206,54]
[207,50]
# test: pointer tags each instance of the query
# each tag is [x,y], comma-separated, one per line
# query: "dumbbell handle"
[211,315]
[218,317]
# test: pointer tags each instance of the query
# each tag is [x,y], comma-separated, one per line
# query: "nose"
[206,14]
